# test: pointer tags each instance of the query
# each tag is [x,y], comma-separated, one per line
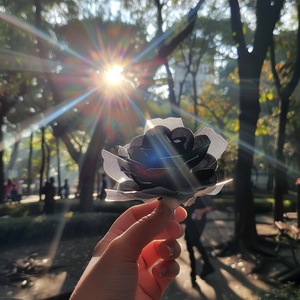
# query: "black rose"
[173,159]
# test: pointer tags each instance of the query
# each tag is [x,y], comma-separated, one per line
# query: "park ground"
[234,276]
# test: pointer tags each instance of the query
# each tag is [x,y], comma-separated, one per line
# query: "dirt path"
[233,278]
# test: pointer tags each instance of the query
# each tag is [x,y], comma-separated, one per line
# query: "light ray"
[250,149]
[19,61]
[36,32]
[114,75]
[35,123]
[163,37]
[256,151]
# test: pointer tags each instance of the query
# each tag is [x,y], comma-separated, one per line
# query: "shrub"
[45,228]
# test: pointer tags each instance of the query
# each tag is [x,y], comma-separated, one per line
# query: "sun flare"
[114,75]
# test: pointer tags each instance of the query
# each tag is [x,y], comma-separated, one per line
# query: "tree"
[143,70]
[249,64]
[9,93]
[16,70]
[201,49]
[285,87]
[29,165]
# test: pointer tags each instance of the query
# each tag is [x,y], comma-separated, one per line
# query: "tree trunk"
[250,64]
[280,177]
[58,165]
[2,179]
[29,166]
[245,229]
[296,127]
[13,157]
[175,111]
[48,156]
[284,94]
[42,163]
[89,167]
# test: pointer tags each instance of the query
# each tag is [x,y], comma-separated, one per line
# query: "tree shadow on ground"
[232,279]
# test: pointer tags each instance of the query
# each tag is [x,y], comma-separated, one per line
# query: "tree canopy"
[56,55]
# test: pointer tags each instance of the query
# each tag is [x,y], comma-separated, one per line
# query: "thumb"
[142,232]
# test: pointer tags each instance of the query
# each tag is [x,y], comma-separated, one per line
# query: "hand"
[136,258]
[199,212]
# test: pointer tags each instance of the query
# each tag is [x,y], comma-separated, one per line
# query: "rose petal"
[111,167]
[206,176]
[131,166]
[171,123]
[146,157]
[122,151]
[114,195]
[209,162]
[128,185]
[201,146]
[159,140]
[182,139]
[137,141]
[218,143]
[212,190]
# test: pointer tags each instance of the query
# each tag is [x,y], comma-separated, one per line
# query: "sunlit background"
[80,76]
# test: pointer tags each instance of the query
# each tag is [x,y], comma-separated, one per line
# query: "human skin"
[136,259]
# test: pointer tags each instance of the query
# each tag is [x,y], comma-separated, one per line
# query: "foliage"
[61,206]
[283,292]
[263,202]
[99,27]
[43,229]
[25,223]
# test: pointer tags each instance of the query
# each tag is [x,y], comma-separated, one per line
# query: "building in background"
[204,74]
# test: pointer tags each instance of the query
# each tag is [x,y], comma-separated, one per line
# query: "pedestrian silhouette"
[195,223]
[49,191]
[65,190]
[102,194]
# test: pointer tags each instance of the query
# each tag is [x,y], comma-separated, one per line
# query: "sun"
[113,75]
[111,81]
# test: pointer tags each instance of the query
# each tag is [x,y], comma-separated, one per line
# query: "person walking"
[49,191]
[195,223]
[65,190]
[14,190]
[8,187]
[102,194]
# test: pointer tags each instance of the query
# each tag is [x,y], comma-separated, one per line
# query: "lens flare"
[113,75]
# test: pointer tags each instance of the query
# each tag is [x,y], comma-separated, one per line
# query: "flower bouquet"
[167,162]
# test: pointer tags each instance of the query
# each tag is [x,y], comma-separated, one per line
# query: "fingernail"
[170,250]
[166,250]
[162,270]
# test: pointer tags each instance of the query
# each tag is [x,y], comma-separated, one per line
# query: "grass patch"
[21,223]
[263,202]
[25,223]
[45,228]
[61,206]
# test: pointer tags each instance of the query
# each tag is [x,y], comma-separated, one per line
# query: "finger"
[173,230]
[164,273]
[122,223]
[180,214]
[169,249]
[157,250]
[139,211]
[142,232]
[135,213]
[166,269]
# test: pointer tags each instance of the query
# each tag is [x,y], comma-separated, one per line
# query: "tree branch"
[290,87]
[237,28]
